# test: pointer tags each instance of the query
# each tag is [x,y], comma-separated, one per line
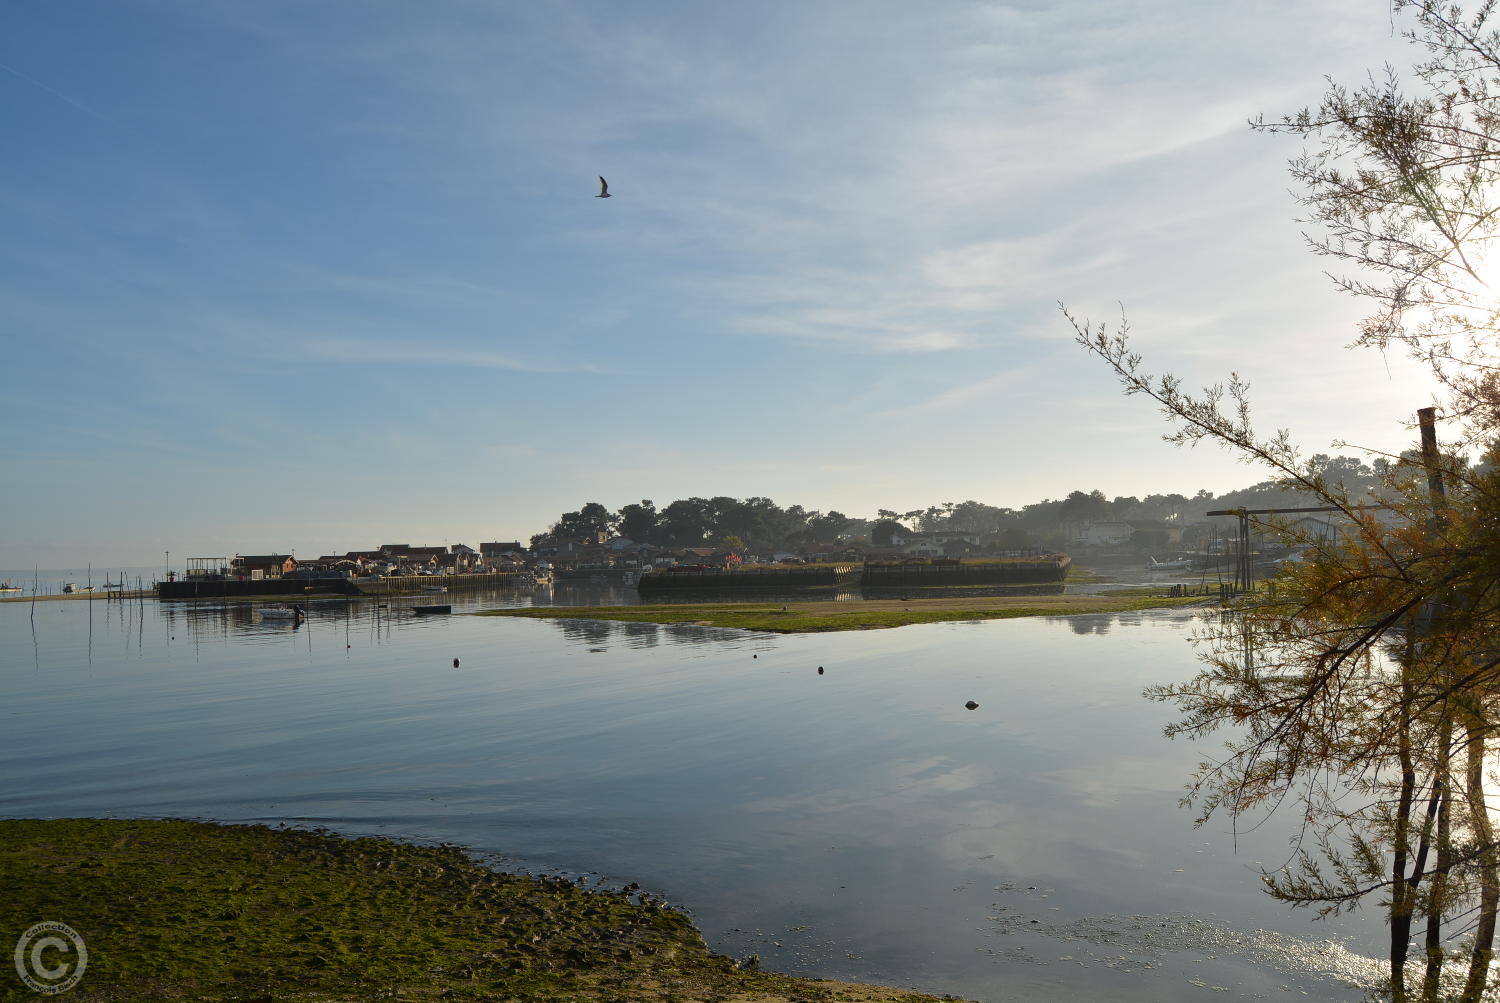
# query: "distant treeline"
[760,525]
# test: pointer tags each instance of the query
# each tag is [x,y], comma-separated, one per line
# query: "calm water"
[857,824]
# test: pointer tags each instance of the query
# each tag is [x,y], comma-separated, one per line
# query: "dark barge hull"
[749,580]
[1039,572]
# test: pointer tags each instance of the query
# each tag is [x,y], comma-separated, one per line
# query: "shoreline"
[815,616]
[177,909]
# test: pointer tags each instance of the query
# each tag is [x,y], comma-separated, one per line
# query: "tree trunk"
[1401,894]
[1489,870]
[1431,982]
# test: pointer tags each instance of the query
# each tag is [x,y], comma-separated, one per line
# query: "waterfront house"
[501,548]
[937,542]
[1105,533]
[254,567]
[423,558]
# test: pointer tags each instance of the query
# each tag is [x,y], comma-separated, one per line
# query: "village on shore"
[602,552]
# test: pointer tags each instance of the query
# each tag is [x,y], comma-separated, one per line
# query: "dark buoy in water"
[820,670]
[754,656]
[455,663]
[971,705]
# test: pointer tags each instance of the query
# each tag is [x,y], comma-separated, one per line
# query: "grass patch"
[1087,576]
[176,910]
[869,614]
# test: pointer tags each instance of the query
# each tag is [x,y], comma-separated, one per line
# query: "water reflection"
[858,824]
[640,635]
[587,632]
[377,620]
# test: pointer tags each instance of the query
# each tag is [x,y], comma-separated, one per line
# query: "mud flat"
[178,910]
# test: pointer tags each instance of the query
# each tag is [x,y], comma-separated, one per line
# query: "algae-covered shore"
[179,910]
[867,614]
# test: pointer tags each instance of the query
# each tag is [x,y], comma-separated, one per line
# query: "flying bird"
[603,188]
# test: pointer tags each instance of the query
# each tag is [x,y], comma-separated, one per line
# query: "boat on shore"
[1176,564]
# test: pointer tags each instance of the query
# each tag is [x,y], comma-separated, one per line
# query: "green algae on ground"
[809,617]
[183,910]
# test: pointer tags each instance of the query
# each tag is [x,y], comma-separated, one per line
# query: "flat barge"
[790,579]
[1030,571]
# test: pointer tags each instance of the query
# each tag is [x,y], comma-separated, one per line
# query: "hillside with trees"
[761,525]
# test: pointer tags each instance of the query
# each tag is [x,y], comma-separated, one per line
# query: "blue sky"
[323,275]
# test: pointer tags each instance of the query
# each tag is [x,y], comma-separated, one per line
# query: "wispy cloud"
[352,350]
[967,393]
[55,93]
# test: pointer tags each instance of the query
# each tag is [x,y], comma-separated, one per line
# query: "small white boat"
[1180,564]
[280,613]
[435,588]
[9,588]
[69,589]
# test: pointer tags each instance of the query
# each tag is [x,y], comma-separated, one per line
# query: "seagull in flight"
[603,188]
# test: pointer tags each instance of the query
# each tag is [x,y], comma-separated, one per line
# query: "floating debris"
[455,663]
[971,705]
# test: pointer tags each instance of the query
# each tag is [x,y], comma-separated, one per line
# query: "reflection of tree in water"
[1095,624]
[692,633]
[640,635]
[586,631]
